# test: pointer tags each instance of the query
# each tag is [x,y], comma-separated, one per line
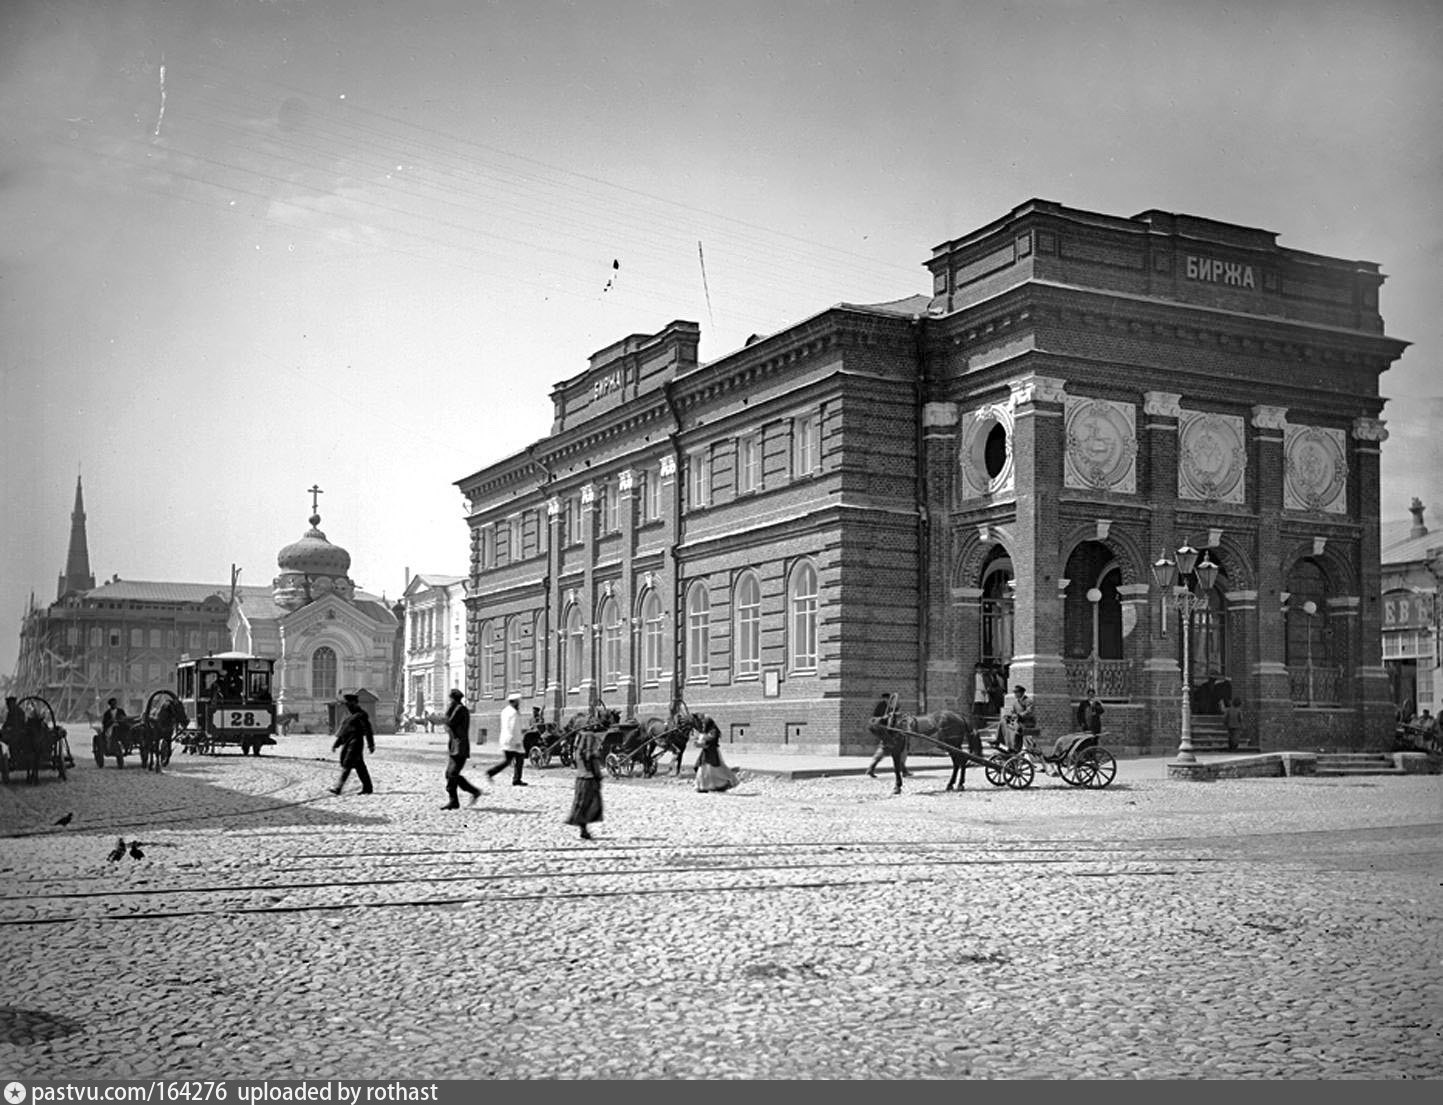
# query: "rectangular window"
[137,638]
[610,509]
[487,551]
[193,640]
[172,639]
[749,464]
[97,636]
[698,479]
[212,640]
[72,634]
[115,638]
[155,638]
[806,445]
[573,520]
[652,499]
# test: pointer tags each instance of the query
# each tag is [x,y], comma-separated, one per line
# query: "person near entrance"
[513,742]
[1233,722]
[458,751]
[1018,721]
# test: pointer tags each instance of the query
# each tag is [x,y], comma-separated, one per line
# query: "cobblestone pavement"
[1261,928]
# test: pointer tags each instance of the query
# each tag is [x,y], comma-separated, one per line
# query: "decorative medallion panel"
[1316,463]
[986,452]
[1101,445]
[1212,457]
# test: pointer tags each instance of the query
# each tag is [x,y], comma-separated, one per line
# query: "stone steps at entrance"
[1357,763]
[1210,735]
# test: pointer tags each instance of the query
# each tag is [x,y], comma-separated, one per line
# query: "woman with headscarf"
[712,773]
[586,798]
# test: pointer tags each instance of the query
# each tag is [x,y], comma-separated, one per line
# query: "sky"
[252,246]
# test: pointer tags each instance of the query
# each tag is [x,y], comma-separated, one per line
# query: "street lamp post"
[1094,596]
[1189,583]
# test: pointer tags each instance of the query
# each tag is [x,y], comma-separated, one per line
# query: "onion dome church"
[330,638]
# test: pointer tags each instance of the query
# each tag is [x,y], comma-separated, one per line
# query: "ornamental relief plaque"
[1101,445]
[1315,461]
[1212,457]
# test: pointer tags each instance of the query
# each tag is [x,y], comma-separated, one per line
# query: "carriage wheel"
[1019,772]
[162,753]
[615,764]
[996,769]
[1075,772]
[1102,767]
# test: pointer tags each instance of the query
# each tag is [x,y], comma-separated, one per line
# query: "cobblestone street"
[825,928]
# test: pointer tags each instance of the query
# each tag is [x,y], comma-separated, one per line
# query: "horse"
[156,733]
[33,744]
[945,728]
[671,737]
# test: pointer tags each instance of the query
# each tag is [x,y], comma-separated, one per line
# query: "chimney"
[1419,529]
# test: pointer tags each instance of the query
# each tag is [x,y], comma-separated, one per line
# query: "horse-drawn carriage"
[545,741]
[1078,759]
[31,740]
[151,735]
[228,698]
[633,748]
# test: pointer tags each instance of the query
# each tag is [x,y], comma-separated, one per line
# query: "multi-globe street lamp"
[1188,582]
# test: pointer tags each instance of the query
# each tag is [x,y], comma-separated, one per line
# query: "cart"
[32,742]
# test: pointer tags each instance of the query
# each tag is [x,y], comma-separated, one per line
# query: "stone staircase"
[1210,735]
[1357,763]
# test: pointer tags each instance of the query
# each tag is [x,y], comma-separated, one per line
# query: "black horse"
[946,729]
[671,736]
[157,731]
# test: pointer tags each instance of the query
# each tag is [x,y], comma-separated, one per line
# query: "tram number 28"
[241,719]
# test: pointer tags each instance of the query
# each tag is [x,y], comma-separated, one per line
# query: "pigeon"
[135,852]
[65,820]
[118,850]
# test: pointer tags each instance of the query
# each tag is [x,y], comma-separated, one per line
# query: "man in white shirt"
[513,744]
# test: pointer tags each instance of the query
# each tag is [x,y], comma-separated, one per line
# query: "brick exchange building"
[948,494]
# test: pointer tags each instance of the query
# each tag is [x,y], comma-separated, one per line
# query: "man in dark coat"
[354,737]
[458,751]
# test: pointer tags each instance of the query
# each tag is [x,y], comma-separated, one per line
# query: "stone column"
[669,581]
[965,614]
[1368,671]
[1038,448]
[555,643]
[948,685]
[590,684]
[626,592]
[1269,699]
[1160,676]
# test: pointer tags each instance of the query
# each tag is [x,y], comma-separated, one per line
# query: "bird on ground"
[65,820]
[135,852]
[118,850]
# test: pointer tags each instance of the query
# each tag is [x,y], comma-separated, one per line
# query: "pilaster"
[1268,694]
[1370,677]
[1039,447]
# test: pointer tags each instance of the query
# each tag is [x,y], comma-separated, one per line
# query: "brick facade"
[835,506]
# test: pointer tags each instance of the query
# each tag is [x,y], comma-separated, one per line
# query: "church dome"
[313,555]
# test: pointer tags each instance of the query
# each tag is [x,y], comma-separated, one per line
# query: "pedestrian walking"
[354,737]
[586,797]
[1233,722]
[513,743]
[458,751]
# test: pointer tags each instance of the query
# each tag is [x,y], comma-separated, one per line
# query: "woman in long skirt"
[586,800]
[712,773]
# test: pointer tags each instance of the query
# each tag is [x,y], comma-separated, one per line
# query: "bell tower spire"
[77,575]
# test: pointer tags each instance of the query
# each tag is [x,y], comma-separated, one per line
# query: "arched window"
[802,617]
[997,612]
[573,653]
[488,660]
[323,673]
[698,633]
[515,655]
[612,652]
[747,646]
[653,636]
[538,654]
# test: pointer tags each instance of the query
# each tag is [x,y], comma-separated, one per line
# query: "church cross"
[315,490]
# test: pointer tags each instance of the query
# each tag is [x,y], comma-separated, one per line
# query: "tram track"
[684,872]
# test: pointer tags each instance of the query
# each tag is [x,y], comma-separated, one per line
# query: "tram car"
[228,697]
